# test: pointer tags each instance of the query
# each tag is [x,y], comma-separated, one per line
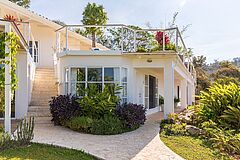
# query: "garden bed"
[215,120]
[97,112]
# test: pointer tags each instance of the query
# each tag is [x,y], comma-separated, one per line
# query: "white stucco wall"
[46,38]
[137,69]
[22,97]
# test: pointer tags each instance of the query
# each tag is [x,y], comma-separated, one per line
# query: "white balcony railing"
[124,39]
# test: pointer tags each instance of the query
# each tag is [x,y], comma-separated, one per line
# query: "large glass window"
[100,77]
[94,74]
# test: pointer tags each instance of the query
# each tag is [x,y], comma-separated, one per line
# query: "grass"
[192,148]
[44,152]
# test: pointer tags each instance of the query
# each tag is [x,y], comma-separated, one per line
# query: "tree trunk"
[93,39]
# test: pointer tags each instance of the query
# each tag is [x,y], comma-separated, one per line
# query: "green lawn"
[191,148]
[43,152]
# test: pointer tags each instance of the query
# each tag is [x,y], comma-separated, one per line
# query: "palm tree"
[94,15]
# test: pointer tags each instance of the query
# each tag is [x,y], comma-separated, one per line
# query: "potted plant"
[176,101]
[161,102]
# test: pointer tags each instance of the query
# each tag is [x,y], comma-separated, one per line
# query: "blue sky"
[215,24]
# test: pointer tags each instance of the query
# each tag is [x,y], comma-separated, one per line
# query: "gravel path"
[141,144]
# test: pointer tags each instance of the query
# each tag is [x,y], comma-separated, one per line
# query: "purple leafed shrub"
[63,108]
[132,115]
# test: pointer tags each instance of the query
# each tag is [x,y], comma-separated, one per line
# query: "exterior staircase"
[44,87]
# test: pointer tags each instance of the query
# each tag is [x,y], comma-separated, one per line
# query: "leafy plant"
[174,129]
[231,117]
[24,133]
[23,3]
[94,15]
[217,99]
[132,115]
[107,125]
[161,100]
[21,137]
[97,104]
[80,123]
[176,100]
[63,108]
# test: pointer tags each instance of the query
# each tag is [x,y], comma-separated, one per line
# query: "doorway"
[151,92]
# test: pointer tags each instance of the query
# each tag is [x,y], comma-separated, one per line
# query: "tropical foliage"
[216,119]
[9,40]
[23,3]
[97,112]
[22,137]
[63,108]
[94,15]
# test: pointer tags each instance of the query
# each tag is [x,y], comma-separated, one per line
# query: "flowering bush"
[132,115]
[159,38]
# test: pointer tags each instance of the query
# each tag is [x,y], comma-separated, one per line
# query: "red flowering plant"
[159,39]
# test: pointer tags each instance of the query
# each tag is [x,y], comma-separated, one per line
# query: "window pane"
[78,74]
[94,74]
[66,75]
[124,85]
[146,103]
[111,74]
[124,74]
[80,87]
[66,88]
[97,86]
[124,100]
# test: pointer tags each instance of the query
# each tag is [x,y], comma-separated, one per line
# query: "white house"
[55,56]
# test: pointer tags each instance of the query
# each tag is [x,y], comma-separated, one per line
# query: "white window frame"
[34,55]
[103,82]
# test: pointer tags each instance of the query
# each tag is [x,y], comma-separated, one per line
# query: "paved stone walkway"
[141,144]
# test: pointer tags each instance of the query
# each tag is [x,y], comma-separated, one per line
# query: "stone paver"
[141,144]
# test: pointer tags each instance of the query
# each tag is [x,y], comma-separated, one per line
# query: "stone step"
[42,120]
[39,108]
[41,96]
[43,89]
[44,80]
[41,99]
[34,103]
[39,114]
[44,77]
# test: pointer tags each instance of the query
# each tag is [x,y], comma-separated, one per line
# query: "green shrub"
[231,117]
[6,141]
[24,133]
[81,124]
[21,137]
[107,125]
[217,99]
[96,104]
[174,129]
